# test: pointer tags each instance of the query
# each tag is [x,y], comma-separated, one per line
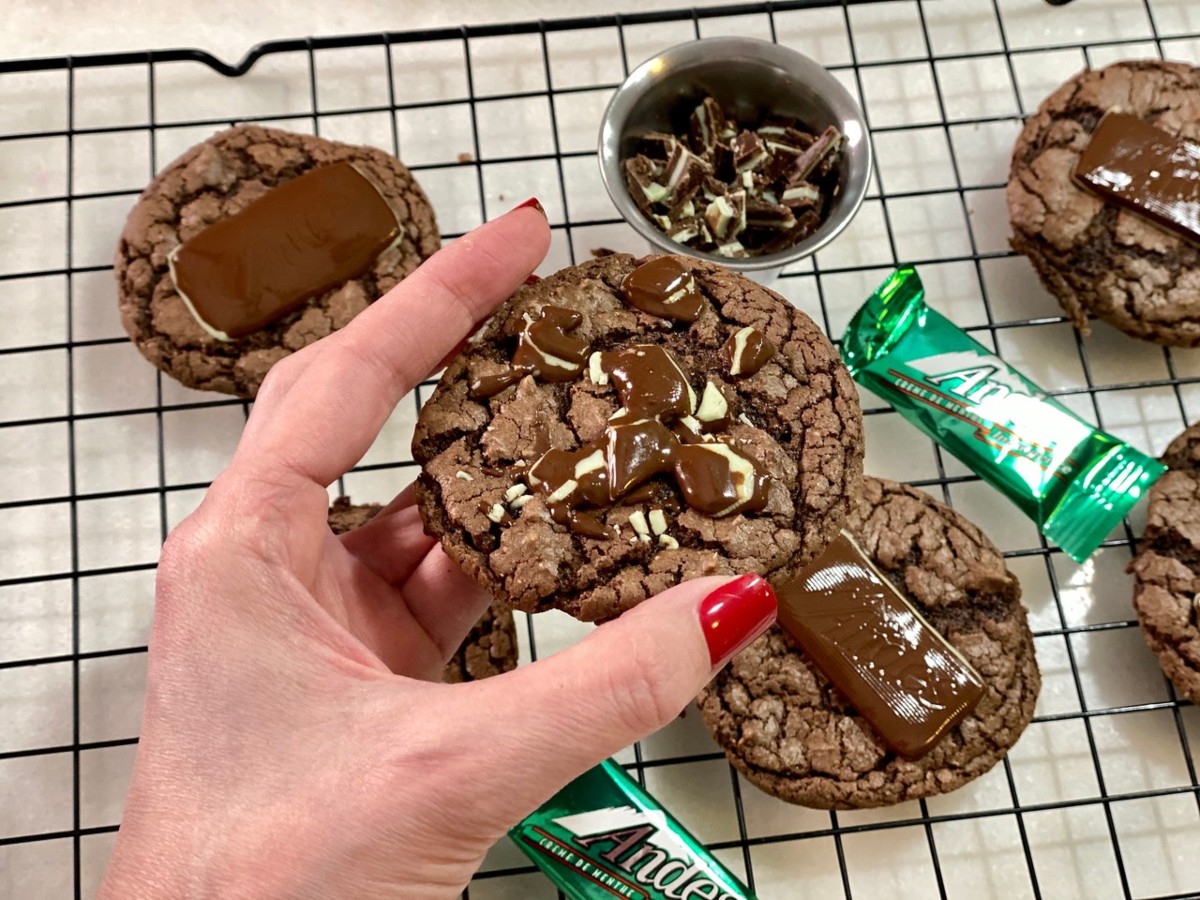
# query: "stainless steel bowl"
[752,78]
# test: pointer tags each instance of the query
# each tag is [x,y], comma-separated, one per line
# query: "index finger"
[327,418]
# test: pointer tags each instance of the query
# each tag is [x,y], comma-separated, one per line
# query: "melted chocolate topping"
[290,245]
[547,350]
[1146,170]
[662,427]
[713,477]
[544,350]
[898,671]
[663,287]
[650,382]
[746,351]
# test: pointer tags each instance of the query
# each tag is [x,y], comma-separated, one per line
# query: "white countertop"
[228,28]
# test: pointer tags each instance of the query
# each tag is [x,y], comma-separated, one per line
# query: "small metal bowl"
[751,78]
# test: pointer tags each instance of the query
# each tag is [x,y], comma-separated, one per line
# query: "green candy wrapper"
[1073,480]
[602,837]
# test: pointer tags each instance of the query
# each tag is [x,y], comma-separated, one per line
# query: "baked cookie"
[1166,569]
[490,648]
[785,728]
[215,180]
[791,412]
[1090,255]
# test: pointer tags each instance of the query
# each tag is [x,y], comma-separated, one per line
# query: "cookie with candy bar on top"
[627,424]
[902,664]
[258,242]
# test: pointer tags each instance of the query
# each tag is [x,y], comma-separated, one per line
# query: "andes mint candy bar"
[1146,170]
[294,243]
[895,668]
[1074,480]
[603,837]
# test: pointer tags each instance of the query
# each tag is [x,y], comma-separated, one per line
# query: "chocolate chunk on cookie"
[216,180]
[491,646]
[794,736]
[593,446]
[1166,569]
[1093,256]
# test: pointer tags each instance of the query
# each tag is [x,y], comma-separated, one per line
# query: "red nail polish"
[735,614]
[533,279]
[532,201]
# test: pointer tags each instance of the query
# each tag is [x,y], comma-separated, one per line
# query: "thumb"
[562,715]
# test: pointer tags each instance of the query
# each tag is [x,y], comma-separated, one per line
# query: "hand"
[296,741]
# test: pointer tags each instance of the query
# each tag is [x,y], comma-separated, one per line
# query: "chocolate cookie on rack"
[627,424]
[1092,210]
[491,646]
[1166,569]
[258,242]
[917,671]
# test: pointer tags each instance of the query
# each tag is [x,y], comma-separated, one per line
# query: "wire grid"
[1100,796]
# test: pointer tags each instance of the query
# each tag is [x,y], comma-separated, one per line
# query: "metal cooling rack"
[100,455]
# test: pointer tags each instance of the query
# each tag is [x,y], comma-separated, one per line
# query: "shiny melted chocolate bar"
[1146,170]
[292,244]
[898,671]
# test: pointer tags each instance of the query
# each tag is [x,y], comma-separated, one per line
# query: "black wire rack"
[979,85]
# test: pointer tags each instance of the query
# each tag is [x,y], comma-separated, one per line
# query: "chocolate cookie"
[490,648]
[1166,569]
[1092,256]
[790,732]
[551,376]
[215,180]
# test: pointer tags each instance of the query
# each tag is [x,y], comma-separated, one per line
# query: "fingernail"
[734,615]
[533,279]
[532,201]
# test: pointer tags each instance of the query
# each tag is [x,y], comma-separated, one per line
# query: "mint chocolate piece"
[707,123]
[899,672]
[291,244]
[829,140]
[735,188]
[1150,172]
[749,152]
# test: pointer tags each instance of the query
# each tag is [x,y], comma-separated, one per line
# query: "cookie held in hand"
[627,424]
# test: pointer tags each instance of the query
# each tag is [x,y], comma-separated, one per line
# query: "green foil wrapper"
[1073,480]
[602,836]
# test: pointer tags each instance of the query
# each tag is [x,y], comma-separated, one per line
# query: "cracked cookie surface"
[1092,256]
[797,417]
[1166,569]
[791,733]
[491,646]
[215,180]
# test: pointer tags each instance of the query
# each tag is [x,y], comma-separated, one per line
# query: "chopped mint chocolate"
[734,188]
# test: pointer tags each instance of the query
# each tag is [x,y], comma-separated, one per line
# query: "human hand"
[296,741]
